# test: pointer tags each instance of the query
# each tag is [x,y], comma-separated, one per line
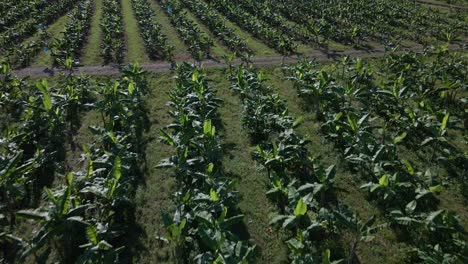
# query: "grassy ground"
[92,49]
[136,51]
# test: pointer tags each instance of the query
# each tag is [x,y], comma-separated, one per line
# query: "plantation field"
[246,131]
[43,33]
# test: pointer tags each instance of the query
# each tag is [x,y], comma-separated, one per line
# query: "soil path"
[319,55]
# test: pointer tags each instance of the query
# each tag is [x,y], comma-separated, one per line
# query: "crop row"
[262,11]
[383,20]
[217,25]
[406,195]
[199,43]
[272,37]
[40,120]
[85,219]
[26,28]
[74,35]
[155,41]
[203,227]
[112,27]
[299,184]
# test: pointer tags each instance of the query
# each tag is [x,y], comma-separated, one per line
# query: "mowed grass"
[252,179]
[135,51]
[91,54]
[153,195]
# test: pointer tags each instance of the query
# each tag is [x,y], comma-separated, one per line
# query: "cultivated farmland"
[244,131]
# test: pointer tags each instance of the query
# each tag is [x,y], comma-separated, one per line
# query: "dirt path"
[436,3]
[319,55]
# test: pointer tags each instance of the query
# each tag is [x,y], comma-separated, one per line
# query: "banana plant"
[62,221]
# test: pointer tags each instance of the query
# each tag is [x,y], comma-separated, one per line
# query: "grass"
[136,51]
[252,179]
[92,49]
[153,196]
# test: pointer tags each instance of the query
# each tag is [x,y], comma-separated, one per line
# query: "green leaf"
[301,208]
[326,257]
[91,231]
[210,168]
[444,122]
[233,220]
[298,121]
[117,168]
[436,188]
[131,88]
[214,195]
[351,123]
[411,206]
[409,167]
[31,214]
[383,181]
[399,138]
[208,129]
[44,88]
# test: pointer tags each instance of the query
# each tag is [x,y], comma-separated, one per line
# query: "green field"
[223,153]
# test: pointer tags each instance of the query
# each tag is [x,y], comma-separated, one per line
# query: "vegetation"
[356,160]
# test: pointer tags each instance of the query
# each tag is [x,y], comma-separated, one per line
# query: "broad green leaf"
[117,168]
[214,195]
[234,220]
[411,206]
[326,257]
[131,88]
[338,116]
[436,188]
[210,168]
[399,138]
[31,214]
[444,122]
[195,76]
[301,208]
[91,231]
[383,181]
[44,88]
[351,123]
[298,121]
[409,167]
